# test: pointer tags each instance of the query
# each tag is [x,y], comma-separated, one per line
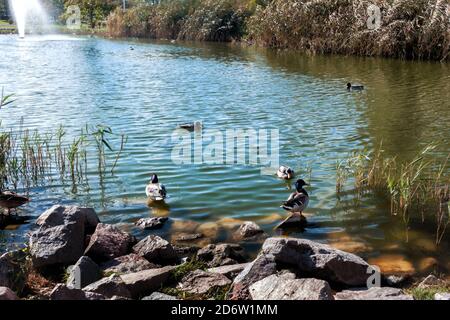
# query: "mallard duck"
[155,191]
[11,200]
[298,200]
[350,87]
[285,173]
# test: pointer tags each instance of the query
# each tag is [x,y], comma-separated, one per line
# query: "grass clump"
[187,267]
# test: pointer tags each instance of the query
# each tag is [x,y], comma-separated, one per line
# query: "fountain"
[29,14]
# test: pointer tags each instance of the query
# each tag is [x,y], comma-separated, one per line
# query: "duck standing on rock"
[296,204]
[11,200]
[285,173]
[155,191]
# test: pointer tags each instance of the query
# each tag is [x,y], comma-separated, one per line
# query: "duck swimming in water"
[155,191]
[195,126]
[298,200]
[285,173]
[11,200]
[350,87]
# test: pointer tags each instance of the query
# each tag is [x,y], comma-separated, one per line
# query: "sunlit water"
[147,91]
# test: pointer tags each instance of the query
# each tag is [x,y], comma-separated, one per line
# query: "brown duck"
[11,200]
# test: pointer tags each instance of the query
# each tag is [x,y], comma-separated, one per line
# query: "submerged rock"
[151,223]
[374,293]
[109,287]
[221,254]
[109,242]
[7,294]
[286,287]
[127,264]
[147,281]
[83,273]
[201,282]
[393,264]
[61,235]
[248,230]
[155,249]
[62,292]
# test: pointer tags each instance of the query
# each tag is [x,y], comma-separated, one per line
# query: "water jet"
[29,14]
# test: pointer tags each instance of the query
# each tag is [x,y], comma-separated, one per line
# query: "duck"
[285,173]
[11,200]
[350,87]
[197,125]
[298,200]
[155,191]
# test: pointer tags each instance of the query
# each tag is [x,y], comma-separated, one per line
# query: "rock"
[60,238]
[221,254]
[259,269]
[127,264]
[62,292]
[345,242]
[88,272]
[286,287]
[248,230]
[374,293]
[186,237]
[430,281]
[209,229]
[155,249]
[13,272]
[186,251]
[108,242]
[147,281]
[187,226]
[396,281]
[119,298]
[159,296]
[318,260]
[230,223]
[151,223]
[393,264]
[230,271]
[109,287]
[7,294]
[201,282]
[442,296]
[293,221]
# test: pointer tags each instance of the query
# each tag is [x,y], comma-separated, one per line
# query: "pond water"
[145,89]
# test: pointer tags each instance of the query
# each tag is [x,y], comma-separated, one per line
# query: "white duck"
[285,173]
[155,191]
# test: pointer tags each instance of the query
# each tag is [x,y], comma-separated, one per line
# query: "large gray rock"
[109,287]
[59,240]
[7,294]
[159,296]
[442,296]
[12,270]
[318,260]
[248,230]
[83,273]
[286,287]
[144,282]
[109,242]
[230,271]
[374,293]
[62,292]
[200,282]
[151,223]
[216,255]
[157,250]
[127,264]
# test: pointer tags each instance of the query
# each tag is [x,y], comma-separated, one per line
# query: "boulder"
[7,294]
[221,254]
[230,271]
[201,282]
[13,272]
[109,287]
[159,296]
[151,223]
[59,240]
[187,237]
[155,249]
[286,287]
[248,230]
[318,260]
[374,293]
[127,264]
[144,282]
[83,273]
[259,269]
[442,296]
[430,281]
[62,292]
[109,242]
